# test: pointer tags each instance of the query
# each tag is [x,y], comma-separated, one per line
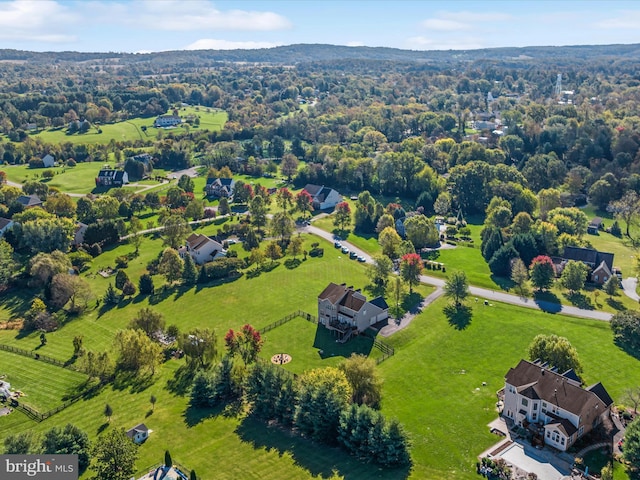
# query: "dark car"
[337,244]
[353,255]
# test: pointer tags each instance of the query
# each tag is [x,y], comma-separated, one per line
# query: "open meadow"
[132,129]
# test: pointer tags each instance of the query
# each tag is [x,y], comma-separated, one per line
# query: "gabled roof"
[602,393]
[532,378]
[352,301]
[333,292]
[4,222]
[562,424]
[596,221]
[312,189]
[588,255]
[603,266]
[196,241]
[380,303]
[140,428]
[29,200]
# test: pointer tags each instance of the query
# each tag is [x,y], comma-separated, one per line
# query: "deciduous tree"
[170,265]
[115,455]
[542,272]
[199,346]
[247,343]
[149,321]
[364,379]
[555,350]
[342,215]
[574,275]
[410,269]
[457,287]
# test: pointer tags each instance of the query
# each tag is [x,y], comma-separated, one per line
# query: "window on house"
[535,406]
[580,431]
[548,434]
[562,440]
[525,402]
[544,404]
[534,416]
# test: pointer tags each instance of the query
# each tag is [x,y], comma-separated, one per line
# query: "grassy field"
[131,130]
[45,386]
[434,382]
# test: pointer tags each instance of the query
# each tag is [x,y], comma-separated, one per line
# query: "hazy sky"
[157,25]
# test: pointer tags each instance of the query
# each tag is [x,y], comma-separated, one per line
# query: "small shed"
[139,433]
[595,226]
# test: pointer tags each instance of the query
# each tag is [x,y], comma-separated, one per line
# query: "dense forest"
[397,123]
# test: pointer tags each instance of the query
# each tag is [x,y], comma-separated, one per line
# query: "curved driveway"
[486,293]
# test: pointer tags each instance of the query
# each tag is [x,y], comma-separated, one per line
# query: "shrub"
[94,250]
[122,261]
[71,163]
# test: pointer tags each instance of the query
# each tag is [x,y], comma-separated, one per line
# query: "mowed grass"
[433,384]
[131,130]
[259,301]
[45,386]
[312,346]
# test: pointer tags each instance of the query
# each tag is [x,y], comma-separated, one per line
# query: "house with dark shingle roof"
[29,201]
[564,411]
[323,197]
[109,177]
[201,248]
[599,263]
[220,187]
[5,224]
[346,311]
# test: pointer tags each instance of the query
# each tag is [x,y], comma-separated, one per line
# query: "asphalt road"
[484,293]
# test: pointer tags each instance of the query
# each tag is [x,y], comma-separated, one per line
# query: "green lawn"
[45,386]
[131,130]
[433,384]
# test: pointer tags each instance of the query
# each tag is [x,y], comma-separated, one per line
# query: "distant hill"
[305,53]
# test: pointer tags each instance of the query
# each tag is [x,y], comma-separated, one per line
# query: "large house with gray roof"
[346,311]
[600,263]
[555,405]
[323,197]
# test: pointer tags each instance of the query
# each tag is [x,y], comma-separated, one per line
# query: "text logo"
[39,467]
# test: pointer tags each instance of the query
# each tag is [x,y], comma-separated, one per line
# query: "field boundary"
[387,350]
[32,412]
[38,356]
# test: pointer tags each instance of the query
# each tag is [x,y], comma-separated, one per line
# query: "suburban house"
[48,161]
[346,311]
[139,433]
[29,201]
[110,177]
[146,160]
[5,224]
[167,121]
[599,263]
[323,197]
[220,187]
[553,405]
[78,234]
[595,226]
[201,248]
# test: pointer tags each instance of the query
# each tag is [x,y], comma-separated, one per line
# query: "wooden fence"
[38,356]
[27,409]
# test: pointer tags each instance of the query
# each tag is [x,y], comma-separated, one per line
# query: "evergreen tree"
[189,271]
[145,285]
[111,297]
[611,286]
[167,459]
[500,263]
[121,279]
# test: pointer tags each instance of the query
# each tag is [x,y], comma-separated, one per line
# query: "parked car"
[337,244]
[353,255]
[345,250]
[361,258]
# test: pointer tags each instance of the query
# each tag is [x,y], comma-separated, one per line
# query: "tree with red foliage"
[542,272]
[304,203]
[3,177]
[247,343]
[342,215]
[410,269]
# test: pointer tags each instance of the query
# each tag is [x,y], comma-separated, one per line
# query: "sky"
[158,25]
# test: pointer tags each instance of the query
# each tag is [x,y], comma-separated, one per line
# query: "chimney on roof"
[542,371]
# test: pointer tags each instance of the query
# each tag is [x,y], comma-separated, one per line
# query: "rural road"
[484,293]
